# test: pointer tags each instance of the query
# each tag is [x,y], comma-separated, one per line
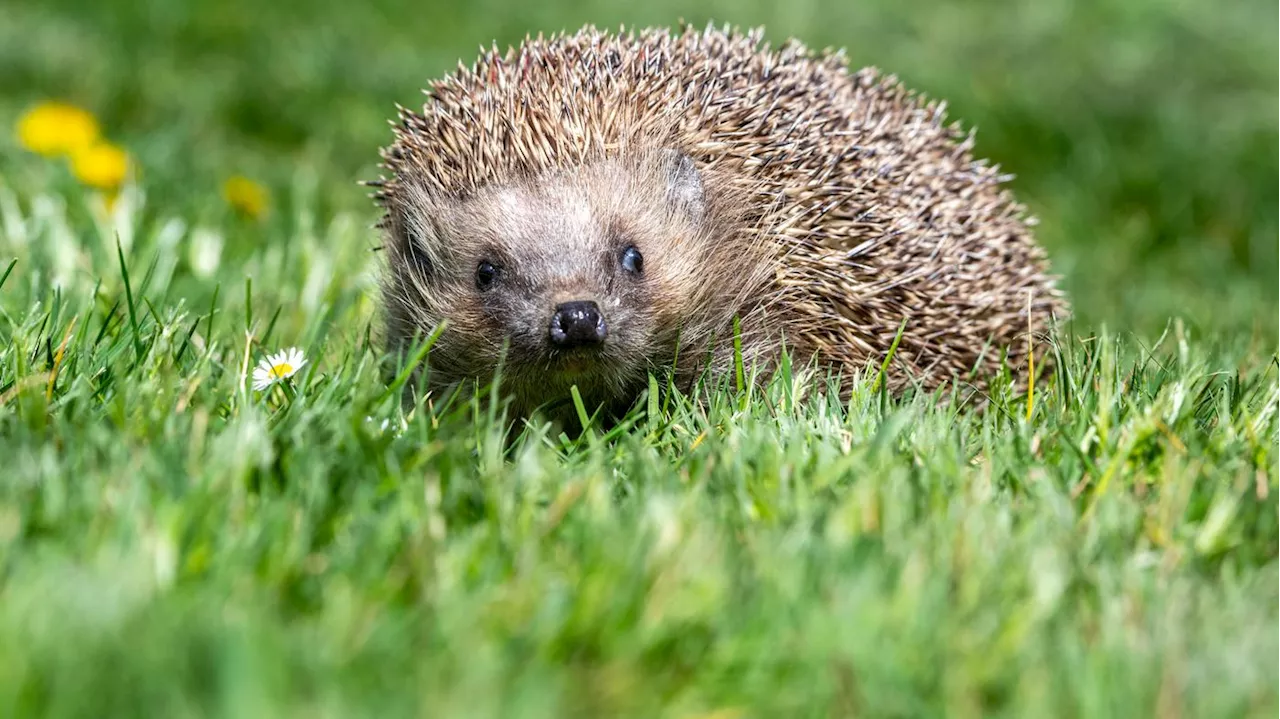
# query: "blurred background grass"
[1142,132]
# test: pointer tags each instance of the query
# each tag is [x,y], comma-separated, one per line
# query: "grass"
[174,544]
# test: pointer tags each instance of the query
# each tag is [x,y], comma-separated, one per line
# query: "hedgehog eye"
[485,275]
[632,260]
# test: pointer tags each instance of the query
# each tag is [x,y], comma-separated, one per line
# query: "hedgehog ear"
[684,183]
[417,237]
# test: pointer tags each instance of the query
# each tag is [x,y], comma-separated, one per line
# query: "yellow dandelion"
[246,196]
[278,367]
[102,165]
[56,128]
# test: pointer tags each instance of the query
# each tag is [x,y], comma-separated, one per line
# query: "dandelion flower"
[246,196]
[278,367]
[56,128]
[103,166]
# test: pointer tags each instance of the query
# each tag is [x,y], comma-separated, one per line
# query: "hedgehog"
[594,209]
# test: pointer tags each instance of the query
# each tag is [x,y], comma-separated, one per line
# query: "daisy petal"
[261,380]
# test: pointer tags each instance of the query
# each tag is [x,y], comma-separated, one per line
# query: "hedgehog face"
[578,278]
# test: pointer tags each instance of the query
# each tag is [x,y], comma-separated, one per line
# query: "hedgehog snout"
[577,324]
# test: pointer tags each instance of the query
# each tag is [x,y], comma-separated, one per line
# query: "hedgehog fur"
[817,208]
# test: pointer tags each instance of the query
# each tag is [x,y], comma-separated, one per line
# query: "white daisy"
[278,367]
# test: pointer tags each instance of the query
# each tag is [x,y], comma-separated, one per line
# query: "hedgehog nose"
[577,324]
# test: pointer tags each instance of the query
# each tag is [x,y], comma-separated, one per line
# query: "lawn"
[175,543]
